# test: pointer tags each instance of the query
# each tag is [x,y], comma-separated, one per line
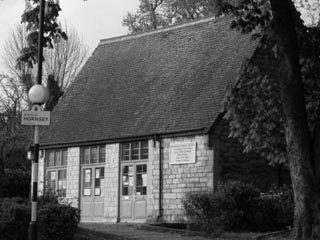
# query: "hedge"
[55,220]
[236,206]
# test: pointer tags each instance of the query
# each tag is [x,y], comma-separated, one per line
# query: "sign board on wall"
[182,152]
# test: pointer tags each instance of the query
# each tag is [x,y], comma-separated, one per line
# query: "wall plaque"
[182,152]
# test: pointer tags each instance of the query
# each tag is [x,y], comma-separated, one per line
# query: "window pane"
[87,181]
[141,179]
[94,154]
[126,151]
[50,162]
[144,144]
[144,153]
[135,151]
[51,182]
[125,191]
[144,150]
[102,173]
[65,157]
[57,158]
[102,156]
[86,156]
[125,180]
[62,183]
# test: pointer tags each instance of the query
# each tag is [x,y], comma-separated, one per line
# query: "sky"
[93,19]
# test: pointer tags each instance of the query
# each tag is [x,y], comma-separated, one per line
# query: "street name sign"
[35,118]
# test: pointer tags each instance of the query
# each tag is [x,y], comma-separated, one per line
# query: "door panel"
[127,209]
[92,194]
[140,209]
[98,209]
[133,191]
[85,211]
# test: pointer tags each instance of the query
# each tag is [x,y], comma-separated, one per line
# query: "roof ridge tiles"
[218,20]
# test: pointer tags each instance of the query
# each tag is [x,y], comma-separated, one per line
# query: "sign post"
[37,95]
[35,117]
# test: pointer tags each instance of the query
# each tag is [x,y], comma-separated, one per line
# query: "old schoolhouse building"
[142,125]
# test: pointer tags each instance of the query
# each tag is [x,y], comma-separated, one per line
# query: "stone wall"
[73,176]
[179,179]
[111,182]
[153,181]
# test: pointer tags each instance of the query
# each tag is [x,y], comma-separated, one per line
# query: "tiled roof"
[158,82]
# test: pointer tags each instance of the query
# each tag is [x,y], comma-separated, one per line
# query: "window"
[57,158]
[92,179]
[141,179]
[99,176]
[62,182]
[56,172]
[93,154]
[127,180]
[135,151]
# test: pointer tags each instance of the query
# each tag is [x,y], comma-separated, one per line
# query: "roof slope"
[153,83]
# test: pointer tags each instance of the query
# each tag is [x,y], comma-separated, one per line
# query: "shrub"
[15,183]
[237,206]
[47,198]
[55,221]
[14,218]
[282,201]
[58,221]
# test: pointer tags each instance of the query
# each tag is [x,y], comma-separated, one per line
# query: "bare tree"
[13,45]
[12,134]
[66,58]
[61,64]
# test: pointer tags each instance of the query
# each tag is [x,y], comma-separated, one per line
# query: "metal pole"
[40,41]
[33,229]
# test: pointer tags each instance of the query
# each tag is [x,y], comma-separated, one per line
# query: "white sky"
[93,19]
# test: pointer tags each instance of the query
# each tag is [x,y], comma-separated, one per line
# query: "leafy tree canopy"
[154,14]
[52,30]
[254,105]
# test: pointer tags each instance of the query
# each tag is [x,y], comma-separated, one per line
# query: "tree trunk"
[55,93]
[298,140]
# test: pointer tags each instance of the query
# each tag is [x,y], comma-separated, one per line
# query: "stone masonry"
[73,176]
[179,179]
[222,161]
[111,182]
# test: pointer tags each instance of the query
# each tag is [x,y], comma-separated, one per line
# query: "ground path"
[127,231]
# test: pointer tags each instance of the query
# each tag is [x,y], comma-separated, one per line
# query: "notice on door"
[182,153]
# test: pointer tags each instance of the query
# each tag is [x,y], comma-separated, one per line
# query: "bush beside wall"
[55,221]
[58,221]
[236,206]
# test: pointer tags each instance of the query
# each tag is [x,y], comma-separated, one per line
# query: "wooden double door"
[133,203]
[92,193]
